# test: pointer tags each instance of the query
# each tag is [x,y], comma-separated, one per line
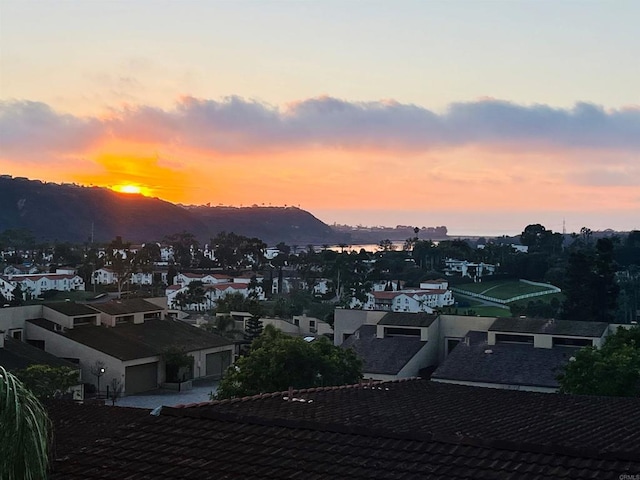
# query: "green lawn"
[543,298]
[73,296]
[492,311]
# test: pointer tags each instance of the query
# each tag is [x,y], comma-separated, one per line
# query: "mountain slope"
[73,213]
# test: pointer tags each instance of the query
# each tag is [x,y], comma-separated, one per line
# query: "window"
[124,319]
[312,323]
[572,342]
[507,338]
[399,331]
[84,320]
[17,334]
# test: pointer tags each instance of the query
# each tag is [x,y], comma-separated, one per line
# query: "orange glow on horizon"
[132,189]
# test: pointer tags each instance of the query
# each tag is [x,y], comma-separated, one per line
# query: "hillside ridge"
[78,214]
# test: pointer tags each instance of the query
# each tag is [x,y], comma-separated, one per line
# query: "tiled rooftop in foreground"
[395,430]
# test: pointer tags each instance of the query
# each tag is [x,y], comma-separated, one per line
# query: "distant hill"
[72,213]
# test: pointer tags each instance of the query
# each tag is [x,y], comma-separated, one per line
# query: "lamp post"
[98,370]
[100,373]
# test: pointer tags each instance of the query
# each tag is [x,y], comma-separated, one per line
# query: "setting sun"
[131,189]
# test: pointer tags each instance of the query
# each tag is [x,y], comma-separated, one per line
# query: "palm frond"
[24,435]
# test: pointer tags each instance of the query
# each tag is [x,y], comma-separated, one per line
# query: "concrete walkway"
[170,398]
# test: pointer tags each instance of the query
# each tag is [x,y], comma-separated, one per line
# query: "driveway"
[170,398]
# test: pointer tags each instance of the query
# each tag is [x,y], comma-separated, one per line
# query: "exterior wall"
[439,284]
[457,326]
[200,359]
[141,278]
[526,388]
[104,276]
[280,324]
[159,301]
[348,321]
[6,289]
[64,347]
[14,317]
[426,356]
[305,327]
[58,317]
[432,334]
[543,341]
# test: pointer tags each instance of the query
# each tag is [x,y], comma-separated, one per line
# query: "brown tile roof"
[564,421]
[17,355]
[71,309]
[76,426]
[386,355]
[129,341]
[572,328]
[507,364]
[394,430]
[123,307]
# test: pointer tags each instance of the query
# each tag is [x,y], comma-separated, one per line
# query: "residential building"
[397,346]
[464,268]
[34,285]
[300,325]
[512,353]
[127,337]
[429,297]
[16,355]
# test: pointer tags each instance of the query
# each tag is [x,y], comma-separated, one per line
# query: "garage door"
[217,363]
[141,378]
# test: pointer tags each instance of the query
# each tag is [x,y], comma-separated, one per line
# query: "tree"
[590,288]
[236,302]
[25,431]
[613,370]
[194,295]
[253,328]
[98,370]
[178,364]
[386,245]
[122,261]
[232,250]
[46,382]
[18,295]
[539,239]
[277,361]
[183,244]
[116,390]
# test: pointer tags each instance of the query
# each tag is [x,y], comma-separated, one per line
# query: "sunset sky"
[481,116]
